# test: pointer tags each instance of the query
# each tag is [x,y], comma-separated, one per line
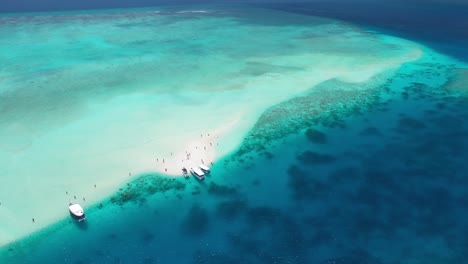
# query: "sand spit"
[131,93]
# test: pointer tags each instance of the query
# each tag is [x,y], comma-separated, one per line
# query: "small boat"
[197,172]
[185,172]
[77,212]
[204,168]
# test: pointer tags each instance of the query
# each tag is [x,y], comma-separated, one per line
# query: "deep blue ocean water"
[385,183]
[439,24]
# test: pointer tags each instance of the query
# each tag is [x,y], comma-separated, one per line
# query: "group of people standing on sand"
[188,155]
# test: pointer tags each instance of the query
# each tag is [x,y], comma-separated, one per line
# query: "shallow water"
[354,170]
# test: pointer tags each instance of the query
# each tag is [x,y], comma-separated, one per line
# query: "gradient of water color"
[351,148]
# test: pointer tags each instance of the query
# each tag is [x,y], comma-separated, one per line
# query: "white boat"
[197,172]
[77,212]
[204,168]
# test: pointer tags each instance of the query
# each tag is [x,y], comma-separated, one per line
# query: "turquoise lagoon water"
[366,164]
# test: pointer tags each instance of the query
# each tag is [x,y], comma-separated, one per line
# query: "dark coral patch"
[345,176]
[221,190]
[316,136]
[196,221]
[229,210]
[303,186]
[406,123]
[313,158]
[260,216]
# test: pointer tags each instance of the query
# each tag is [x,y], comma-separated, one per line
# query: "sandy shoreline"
[204,148]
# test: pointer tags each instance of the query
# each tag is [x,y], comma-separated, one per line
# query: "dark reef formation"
[316,136]
[146,184]
[196,222]
[312,158]
[326,105]
[221,190]
[230,210]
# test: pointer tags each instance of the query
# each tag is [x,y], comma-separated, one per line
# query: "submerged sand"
[89,101]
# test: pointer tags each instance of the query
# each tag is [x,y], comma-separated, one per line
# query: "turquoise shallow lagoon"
[343,144]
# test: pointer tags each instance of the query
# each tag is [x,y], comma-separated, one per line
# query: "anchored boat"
[197,172]
[185,172]
[77,212]
[204,168]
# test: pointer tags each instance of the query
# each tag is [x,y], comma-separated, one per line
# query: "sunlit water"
[348,145]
